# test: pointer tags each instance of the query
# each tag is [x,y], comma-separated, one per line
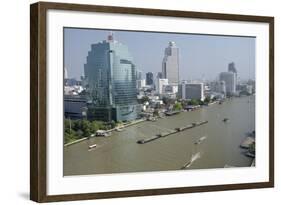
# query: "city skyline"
[217,52]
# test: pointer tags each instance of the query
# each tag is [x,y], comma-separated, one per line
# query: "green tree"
[156,113]
[144,99]
[86,128]
[193,102]
[207,100]
[177,106]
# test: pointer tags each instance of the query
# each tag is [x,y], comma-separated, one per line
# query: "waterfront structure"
[111,81]
[160,83]
[192,91]
[230,82]
[75,106]
[170,64]
[149,78]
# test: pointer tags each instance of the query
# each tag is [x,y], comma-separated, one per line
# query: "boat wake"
[194,157]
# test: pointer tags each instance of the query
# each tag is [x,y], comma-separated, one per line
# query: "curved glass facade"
[111,77]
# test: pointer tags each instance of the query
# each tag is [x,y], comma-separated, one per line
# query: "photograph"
[144,101]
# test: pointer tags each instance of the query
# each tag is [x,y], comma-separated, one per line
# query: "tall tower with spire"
[170,64]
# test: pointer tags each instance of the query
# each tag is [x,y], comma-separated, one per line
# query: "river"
[120,153]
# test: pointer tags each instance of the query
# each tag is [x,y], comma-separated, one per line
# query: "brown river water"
[120,153]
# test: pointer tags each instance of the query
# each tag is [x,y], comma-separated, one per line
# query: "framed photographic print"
[134,102]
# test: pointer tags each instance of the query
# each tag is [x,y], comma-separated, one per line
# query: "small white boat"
[119,129]
[200,140]
[92,146]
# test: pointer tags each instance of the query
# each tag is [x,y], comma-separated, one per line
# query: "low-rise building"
[192,91]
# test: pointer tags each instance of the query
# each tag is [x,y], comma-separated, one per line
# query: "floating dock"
[176,130]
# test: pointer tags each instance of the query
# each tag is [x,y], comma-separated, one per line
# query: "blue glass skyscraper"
[110,76]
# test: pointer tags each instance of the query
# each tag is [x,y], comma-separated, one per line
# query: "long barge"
[176,130]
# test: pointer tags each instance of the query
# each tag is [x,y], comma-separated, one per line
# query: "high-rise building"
[111,80]
[138,74]
[192,91]
[140,83]
[160,83]
[170,64]
[218,86]
[232,68]
[230,82]
[159,75]
[149,78]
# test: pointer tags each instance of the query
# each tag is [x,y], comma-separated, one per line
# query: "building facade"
[75,106]
[192,91]
[232,68]
[160,83]
[111,80]
[149,78]
[218,86]
[140,83]
[230,82]
[170,64]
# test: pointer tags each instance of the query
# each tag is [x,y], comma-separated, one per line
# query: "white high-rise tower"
[170,64]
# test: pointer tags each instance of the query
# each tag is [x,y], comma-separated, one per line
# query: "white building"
[171,88]
[170,64]
[140,83]
[230,82]
[160,83]
[192,91]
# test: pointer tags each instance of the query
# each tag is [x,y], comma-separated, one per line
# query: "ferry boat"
[200,140]
[92,146]
[102,133]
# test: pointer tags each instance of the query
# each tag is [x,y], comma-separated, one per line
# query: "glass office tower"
[111,81]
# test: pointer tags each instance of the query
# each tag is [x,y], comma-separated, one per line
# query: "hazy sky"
[200,56]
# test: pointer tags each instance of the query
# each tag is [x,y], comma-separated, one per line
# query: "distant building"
[232,68]
[230,82]
[192,91]
[160,83]
[218,86]
[111,81]
[170,64]
[159,75]
[140,83]
[65,73]
[138,74]
[173,89]
[245,88]
[149,78]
